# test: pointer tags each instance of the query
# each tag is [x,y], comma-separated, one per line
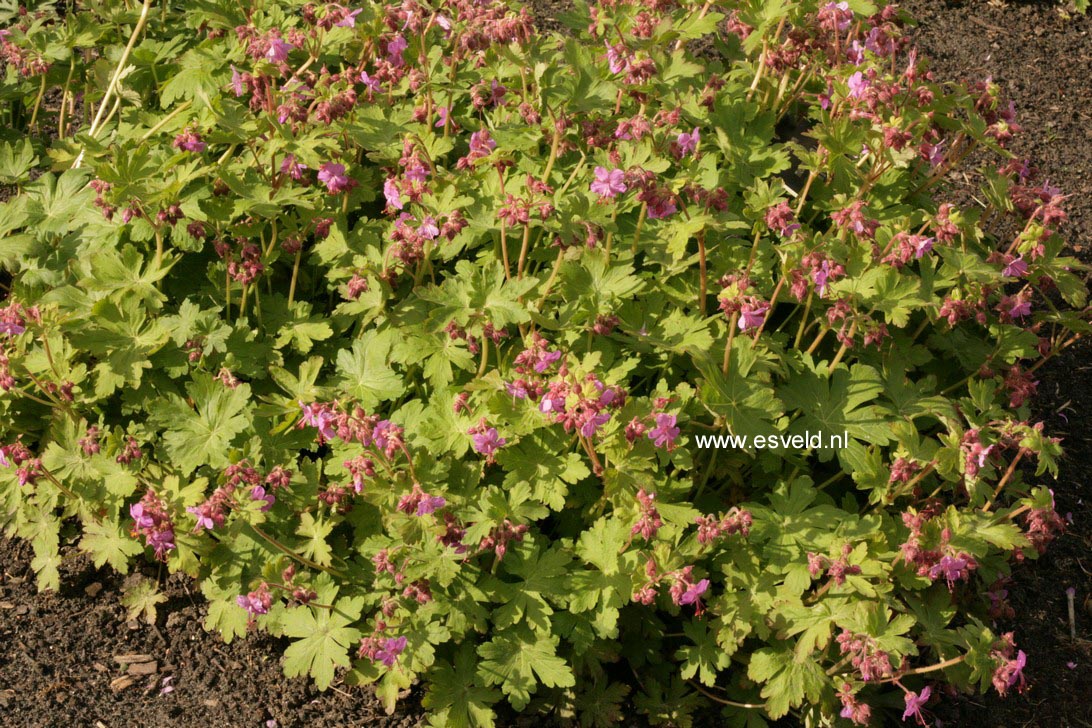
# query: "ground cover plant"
[397,327]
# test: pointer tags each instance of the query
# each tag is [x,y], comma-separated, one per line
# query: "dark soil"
[1043,62]
[59,662]
[58,650]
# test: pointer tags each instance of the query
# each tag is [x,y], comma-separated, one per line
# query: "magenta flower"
[385,433]
[259,493]
[204,516]
[545,360]
[11,328]
[292,167]
[430,504]
[609,182]
[349,21]
[417,173]
[136,510]
[858,85]
[189,141]
[372,84]
[333,176]
[820,276]
[921,245]
[428,228]
[1018,268]
[390,651]
[914,704]
[392,194]
[1019,308]
[695,591]
[395,48]
[1010,673]
[665,432]
[321,418]
[688,143]
[855,53]
[237,81]
[952,568]
[487,441]
[661,206]
[278,50]
[617,58]
[482,143]
[593,423]
[751,315]
[441,116]
[256,602]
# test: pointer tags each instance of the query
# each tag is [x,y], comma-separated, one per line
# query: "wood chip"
[133,658]
[93,589]
[144,668]
[120,683]
[7,605]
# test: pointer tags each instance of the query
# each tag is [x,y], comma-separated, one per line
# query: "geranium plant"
[440,345]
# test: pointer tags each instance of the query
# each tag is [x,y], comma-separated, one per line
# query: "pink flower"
[256,602]
[259,493]
[11,328]
[1010,673]
[237,81]
[914,704]
[487,441]
[858,85]
[349,21]
[278,50]
[752,314]
[428,228]
[660,206]
[292,167]
[617,58]
[921,245]
[695,591]
[665,432]
[189,141]
[391,649]
[609,183]
[372,84]
[321,417]
[441,116]
[392,194]
[395,47]
[430,504]
[1018,268]
[333,176]
[1016,307]
[688,143]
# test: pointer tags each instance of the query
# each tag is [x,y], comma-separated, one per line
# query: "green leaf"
[108,544]
[325,638]
[202,435]
[455,698]
[142,598]
[704,657]
[518,660]
[365,372]
[787,682]
[16,161]
[315,531]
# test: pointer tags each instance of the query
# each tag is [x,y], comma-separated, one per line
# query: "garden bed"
[59,659]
